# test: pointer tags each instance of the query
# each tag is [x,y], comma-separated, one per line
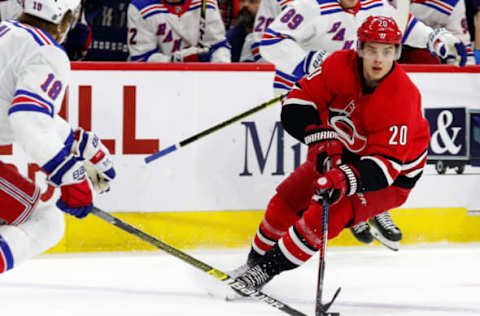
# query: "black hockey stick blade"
[323,308]
[212,129]
[219,275]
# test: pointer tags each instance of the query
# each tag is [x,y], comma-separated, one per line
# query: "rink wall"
[212,193]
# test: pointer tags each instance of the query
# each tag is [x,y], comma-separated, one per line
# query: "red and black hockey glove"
[324,148]
[337,183]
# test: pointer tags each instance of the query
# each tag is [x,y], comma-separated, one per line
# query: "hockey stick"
[212,129]
[320,308]
[203,23]
[219,275]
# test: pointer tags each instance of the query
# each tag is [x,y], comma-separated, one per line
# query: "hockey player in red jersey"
[361,117]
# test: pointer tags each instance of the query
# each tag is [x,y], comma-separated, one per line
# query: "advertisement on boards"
[137,112]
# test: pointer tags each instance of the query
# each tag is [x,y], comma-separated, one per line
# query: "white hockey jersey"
[449,14]
[268,10]
[311,25]
[157,28]
[10,9]
[35,72]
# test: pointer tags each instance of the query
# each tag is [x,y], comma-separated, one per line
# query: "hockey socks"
[6,257]
[278,218]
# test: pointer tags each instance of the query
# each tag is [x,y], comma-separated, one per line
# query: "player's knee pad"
[18,196]
[13,247]
[43,230]
[47,225]
[280,215]
[297,188]
[402,195]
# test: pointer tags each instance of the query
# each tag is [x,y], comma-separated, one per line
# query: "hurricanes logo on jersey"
[340,121]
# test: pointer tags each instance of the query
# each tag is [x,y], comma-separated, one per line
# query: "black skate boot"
[361,231]
[254,278]
[252,259]
[385,225]
[385,231]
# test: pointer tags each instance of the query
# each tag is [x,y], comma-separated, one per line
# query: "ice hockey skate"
[385,231]
[362,233]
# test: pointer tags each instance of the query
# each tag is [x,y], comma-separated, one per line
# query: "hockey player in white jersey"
[267,12]
[34,75]
[443,15]
[307,31]
[171,31]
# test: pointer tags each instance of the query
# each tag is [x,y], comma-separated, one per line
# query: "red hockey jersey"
[384,132]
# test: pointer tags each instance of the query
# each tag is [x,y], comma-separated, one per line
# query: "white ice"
[418,280]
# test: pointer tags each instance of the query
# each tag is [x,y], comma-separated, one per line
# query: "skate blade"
[392,245]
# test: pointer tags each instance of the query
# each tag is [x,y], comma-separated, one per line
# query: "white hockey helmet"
[51,10]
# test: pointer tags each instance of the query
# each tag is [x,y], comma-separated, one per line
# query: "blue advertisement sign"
[475,136]
[448,130]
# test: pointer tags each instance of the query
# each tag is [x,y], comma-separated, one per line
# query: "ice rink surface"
[443,279]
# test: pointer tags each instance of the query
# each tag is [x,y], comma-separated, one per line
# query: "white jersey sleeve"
[268,10]
[142,38]
[42,76]
[283,41]
[215,35]
[156,30]
[449,14]
[306,29]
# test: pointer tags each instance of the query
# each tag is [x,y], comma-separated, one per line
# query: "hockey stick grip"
[115,221]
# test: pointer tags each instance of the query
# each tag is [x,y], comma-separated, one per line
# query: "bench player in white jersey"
[34,75]
[267,12]
[307,31]
[170,31]
[446,14]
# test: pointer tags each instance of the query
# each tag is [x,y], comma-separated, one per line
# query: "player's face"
[348,4]
[377,61]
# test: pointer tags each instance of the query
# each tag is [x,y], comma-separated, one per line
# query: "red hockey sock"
[278,218]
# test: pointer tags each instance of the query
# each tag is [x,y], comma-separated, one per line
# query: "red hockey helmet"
[379,29]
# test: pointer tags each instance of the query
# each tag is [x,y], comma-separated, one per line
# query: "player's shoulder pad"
[142,4]
[322,2]
[339,67]
[398,98]
[327,6]
[56,58]
[448,2]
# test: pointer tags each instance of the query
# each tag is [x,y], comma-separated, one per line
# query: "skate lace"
[239,271]
[360,227]
[386,221]
[255,277]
